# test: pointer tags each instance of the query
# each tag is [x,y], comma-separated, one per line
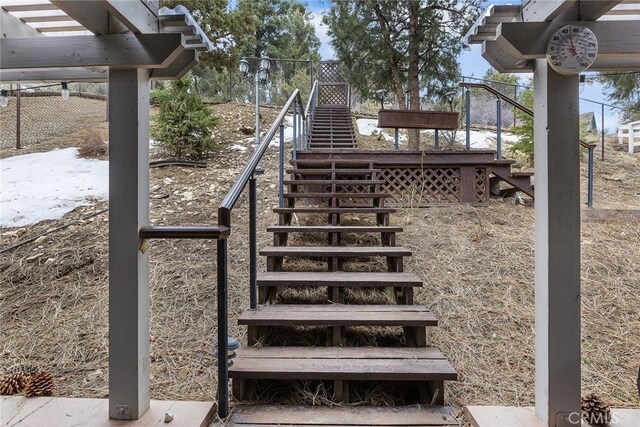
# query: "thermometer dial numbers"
[572,49]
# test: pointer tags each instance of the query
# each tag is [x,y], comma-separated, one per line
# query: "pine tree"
[624,89]
[183,126]
[407,47]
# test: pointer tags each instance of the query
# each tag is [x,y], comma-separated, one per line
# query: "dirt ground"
[476,263]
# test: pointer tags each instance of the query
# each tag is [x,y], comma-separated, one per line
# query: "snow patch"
[47,185]
[485,139]
[369,127]
[238,147]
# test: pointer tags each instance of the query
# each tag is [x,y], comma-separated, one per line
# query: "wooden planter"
[407,119]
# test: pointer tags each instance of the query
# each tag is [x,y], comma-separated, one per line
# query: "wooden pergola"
[127,43]
[514,40]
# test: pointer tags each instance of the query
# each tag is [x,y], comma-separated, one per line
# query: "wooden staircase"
[332,128]
[518,181]
[340,362]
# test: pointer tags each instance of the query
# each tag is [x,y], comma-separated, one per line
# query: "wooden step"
[342,363]
[335,251]
[339,279]
[282,415]
[329,162]
[334,229]
[412,318]
[342,210]
[337,195]
[331,138]
[521,173]
[338,315]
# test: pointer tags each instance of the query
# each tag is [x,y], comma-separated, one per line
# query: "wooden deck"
[513,416]
[18,411]
[267,416]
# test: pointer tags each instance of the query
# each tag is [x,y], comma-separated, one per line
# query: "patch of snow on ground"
[485,139]
[238,147]
[47,185]
[369,127]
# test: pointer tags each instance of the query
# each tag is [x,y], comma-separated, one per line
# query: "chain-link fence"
[230,86]
[37,113]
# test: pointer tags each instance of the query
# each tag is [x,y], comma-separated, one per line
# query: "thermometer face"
[572,49]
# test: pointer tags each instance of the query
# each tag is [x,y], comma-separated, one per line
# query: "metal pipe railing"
[224,220]
[181,232]
[502,97]
[253,245]
[222,231]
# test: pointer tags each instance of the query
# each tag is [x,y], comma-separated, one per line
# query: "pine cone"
[39,385]
[12,384]
[595,410]
[28,370]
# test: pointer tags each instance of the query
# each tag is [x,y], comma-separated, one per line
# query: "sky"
[472,64]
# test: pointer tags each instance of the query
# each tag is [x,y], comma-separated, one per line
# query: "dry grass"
[53,301]
[93,145]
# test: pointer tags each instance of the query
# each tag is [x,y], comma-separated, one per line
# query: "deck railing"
[222,231]
[503,97]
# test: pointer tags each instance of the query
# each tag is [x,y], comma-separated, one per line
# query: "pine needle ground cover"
[476,263]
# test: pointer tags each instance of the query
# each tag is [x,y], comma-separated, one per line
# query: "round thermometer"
[572,49]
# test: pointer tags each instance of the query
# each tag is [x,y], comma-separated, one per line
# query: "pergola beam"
[134,15]
[14,27]
[530,38]
[61,75]
[540,11]
[181,66]
[29,7]
[61,28]
[117,50]
[46,18]
[88,14]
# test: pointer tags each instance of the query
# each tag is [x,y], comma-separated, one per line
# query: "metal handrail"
[222,231]
[230,200]
[247,176]
[499,94]
[182,232]
[310,112]
[528,111]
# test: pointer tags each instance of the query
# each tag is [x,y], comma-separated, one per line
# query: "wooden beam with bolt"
[117,50]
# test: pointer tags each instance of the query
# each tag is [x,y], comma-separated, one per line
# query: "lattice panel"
[415,187]
[334,94]
[481,187]
[329,71]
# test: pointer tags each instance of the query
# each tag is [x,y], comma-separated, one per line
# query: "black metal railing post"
[223,340]
[590,178]
[467,112]
[295,139]
[253,245]
[499,128]
[281,169]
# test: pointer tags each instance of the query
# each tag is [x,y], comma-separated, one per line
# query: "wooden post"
[557,247]
[128,266]
[18,114]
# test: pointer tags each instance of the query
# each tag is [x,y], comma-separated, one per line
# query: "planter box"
[407,119]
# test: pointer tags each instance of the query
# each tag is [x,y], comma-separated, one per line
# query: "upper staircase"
[315,298]
[332,128]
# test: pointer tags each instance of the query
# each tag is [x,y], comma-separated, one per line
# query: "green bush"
[183,126]
[524,129]
[159,96]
